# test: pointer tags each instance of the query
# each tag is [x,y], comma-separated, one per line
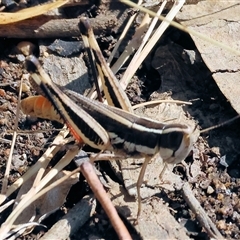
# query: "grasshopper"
[110,128]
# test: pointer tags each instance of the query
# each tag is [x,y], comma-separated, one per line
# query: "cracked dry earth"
[212,169]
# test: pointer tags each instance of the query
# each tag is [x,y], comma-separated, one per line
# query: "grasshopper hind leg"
[163,171]
[139,184]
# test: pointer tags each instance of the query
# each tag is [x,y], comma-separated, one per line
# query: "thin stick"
[144,41]
[201,215]
[182,28]
[96,186]
[8,165]
[155,102]
[128,75]
[129,23]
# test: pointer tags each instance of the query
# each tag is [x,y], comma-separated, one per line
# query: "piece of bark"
[74,220]
[50,27]
[219,21]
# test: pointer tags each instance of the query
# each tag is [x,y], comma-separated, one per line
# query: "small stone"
[2,93]
[223,161]
[220,196]
[45,54]
[20,57]
[221,225]
[35,152]
[13,99]
[24,157]
[26,47]
[204,184]
[39,135]
[25,88]
[7,152]
[4,106]
[210,190]
[3,121]
[17,162]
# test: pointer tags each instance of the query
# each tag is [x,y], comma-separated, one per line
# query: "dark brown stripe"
[150,139]
[51,94]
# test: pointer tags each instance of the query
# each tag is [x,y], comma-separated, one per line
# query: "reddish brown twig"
[96,186]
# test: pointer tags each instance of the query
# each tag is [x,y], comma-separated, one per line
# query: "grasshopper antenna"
[220,124]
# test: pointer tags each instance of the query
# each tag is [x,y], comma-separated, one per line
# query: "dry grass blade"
[6,18]
[133,44]
[34,192]
[182,28]
[155,102]
[41,164]
[6,175]
[132,68]
[129,23]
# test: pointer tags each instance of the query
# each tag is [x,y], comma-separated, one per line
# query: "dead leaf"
[6,18]
[50,201]
[219,21]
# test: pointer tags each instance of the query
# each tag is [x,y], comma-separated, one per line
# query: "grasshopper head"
[176,143]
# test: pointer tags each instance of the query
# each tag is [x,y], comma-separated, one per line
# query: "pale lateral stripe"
[146,129]
[147,150]
[187,130]
[99,107]
[131,147]
[113,115]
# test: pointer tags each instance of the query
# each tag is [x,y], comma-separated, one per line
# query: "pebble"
[25,88]
[2,93]
[210,190]
[26,47]
[221,225]
[3,121]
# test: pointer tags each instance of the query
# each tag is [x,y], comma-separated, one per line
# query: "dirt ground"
[212,168]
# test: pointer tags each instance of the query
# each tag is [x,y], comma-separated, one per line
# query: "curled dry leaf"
[6,18]
[47,203]
[220,21]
